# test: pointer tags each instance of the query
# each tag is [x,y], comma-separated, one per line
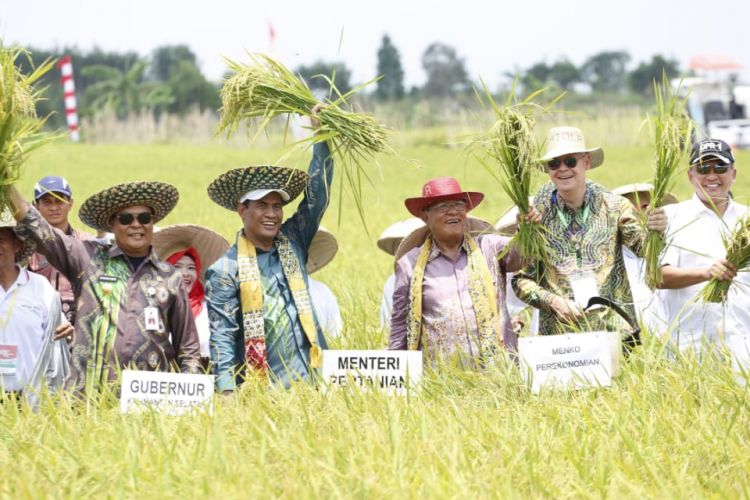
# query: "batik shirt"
[584,242]
[110,327]
[287,347]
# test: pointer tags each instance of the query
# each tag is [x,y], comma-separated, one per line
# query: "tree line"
[169,80]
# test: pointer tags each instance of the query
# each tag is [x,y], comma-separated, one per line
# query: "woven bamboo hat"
[227,189]
[474,225]
[322,250]
[395,234]
[99,208]
[643,187]
[7,220]
[209,244]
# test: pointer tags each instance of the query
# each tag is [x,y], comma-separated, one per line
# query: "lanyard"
[565,220]
[4,321]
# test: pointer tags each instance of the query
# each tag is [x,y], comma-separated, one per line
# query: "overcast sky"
[493,37]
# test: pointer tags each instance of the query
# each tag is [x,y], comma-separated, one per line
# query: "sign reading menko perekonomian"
[170,393]
[569,361]
[392,371]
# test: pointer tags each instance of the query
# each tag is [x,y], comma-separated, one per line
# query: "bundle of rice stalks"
[738,253]
[265,88]
[672,128]
[20,128]
[512,147]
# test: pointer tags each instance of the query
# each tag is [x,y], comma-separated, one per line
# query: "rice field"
[665,429]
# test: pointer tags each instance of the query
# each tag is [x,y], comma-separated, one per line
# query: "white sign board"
[170,393]
[739,345]
[570,361]
[391,371]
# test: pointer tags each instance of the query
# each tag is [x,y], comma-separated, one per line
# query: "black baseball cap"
[711,149]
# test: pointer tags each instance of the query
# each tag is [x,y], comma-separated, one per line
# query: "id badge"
[584,287]
[151,314]
[8,359]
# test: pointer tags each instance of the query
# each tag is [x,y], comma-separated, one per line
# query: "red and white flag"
[69,95]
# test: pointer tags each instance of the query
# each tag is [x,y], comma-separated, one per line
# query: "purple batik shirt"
[448,320]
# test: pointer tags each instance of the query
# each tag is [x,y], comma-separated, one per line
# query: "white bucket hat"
[563,141]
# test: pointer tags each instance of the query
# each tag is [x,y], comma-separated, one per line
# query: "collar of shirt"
[435,252]
[21,279]
[115,251]
[698,207]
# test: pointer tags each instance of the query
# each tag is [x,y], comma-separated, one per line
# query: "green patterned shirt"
[587,240]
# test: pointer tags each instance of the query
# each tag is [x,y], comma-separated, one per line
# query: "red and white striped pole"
[69,95]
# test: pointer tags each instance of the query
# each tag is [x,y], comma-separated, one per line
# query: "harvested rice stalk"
[738,253]
[513,150]
[20,128]
[672,128]
[265,88]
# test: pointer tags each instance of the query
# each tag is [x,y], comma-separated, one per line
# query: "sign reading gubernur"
[572,361]
[391,371]
[170,393]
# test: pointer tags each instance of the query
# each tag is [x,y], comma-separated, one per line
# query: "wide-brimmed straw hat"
[322,250]
[99,208]
[508,223]
[7,220]
[442,189]
[474,225]
[395,234]
[209,244]
[643,187]
[227,189]
[563,141]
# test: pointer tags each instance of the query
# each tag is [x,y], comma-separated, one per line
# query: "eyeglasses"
[446,206]
[706,168]
[554,164]
[143,218]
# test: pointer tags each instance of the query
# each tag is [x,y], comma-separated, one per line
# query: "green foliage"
[390,86]
[327,79]
[641,79]
[606,71]
[564,73]
[446,72]
[737,245]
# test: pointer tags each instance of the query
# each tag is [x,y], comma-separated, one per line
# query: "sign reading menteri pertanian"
[573,361]
[170,393]
[391,371]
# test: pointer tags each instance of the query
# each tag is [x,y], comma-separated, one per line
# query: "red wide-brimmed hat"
[442,189]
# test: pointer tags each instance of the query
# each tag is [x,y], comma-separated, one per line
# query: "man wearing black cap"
[695,253]
[53,198]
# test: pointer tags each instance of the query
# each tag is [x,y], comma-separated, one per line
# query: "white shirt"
[204,333]
[386,303]
[516,306]
[649,304]
[696,241]
[25,307]
[326,308]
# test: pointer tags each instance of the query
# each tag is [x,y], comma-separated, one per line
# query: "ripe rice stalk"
[510,151]
[737,245]
[671,128]
[20,128]
[264,89]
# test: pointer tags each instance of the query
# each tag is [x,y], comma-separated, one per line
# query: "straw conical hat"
[474,226]
[395,234]
[209,244]
[322,250]
[643,187]
[508,223]
[99,208]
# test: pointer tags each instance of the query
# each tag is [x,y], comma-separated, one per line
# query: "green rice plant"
[737,245]
[20,128]
[265,89]
[510,151]
[671,127]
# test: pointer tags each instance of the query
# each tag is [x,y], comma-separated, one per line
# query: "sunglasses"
[570,162]
[143,218]
[706,168]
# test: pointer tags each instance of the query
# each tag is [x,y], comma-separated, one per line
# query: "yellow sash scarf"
[251,300]
[481,290]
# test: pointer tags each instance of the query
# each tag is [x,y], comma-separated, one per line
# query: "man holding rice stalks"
[698,241]
[586,228]
[132,309]
[259,305]
[449,296]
